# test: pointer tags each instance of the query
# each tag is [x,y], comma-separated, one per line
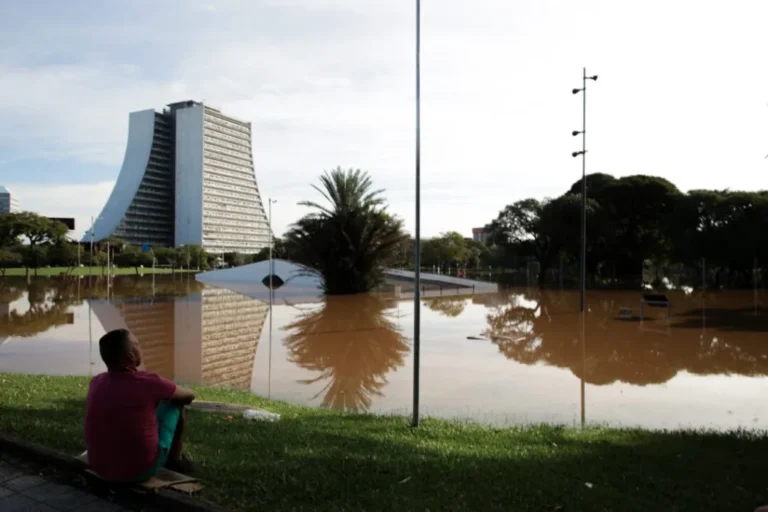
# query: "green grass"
[83,271]
[320,460]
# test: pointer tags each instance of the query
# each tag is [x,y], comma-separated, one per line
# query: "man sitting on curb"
[134,420]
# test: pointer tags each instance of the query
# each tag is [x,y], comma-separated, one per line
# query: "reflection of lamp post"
[271,297]
[90,263]
[583,370]
[583,153]
[417,252]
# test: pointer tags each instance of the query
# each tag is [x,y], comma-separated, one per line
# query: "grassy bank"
[83,271]
[320,460]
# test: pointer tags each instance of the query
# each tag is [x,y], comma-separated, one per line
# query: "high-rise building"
[8,203]
[187,178]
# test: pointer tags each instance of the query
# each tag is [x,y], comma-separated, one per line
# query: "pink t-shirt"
[120,422]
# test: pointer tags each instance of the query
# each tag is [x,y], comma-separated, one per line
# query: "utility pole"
[583,153]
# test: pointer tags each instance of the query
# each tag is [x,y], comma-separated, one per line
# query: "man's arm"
[182,396]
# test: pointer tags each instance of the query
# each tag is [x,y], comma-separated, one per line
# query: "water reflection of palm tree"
[448,306]
[354,342]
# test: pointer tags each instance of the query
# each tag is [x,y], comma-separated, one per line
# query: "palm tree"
[350,240]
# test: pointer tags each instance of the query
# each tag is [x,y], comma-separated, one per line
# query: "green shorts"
[167,419]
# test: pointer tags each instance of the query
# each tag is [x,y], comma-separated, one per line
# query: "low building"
[8,203]
[480,235]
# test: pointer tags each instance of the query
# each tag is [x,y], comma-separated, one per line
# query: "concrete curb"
[167,499]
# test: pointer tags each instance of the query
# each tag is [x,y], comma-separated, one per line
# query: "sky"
[682,93]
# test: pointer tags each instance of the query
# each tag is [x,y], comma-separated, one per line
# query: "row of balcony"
[237,197]
[225,141]
[214,211]
[214,130]
[226,176]
[228,155]
[236,171]
[222,120]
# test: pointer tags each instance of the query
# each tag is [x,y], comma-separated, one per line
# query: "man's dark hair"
[113,347]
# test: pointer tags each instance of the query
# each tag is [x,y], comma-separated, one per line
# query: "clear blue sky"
[682,93]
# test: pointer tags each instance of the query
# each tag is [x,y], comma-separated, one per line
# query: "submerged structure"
[187,178]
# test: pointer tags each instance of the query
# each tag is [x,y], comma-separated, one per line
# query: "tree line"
[636,221]
[31,241]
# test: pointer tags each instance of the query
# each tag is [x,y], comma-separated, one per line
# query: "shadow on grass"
[358,462]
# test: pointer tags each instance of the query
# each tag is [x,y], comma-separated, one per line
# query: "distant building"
[187,178]
[8,203]
[480,235]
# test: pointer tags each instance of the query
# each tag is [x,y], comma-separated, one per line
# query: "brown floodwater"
[515,357]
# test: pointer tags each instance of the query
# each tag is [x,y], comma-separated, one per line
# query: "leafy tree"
[447,249]
[100,259]
[352,238]
[34,257]
[279,250]
[262,255]
[64,254]
[235,259]
[10,230]
[133,257]
[9,258]
[164,255]
[36,231]
[520,224]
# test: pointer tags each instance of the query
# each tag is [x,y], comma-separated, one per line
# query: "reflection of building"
[8,203]
[187,178]
[219,350]
[152,323]
[204,338]
[479,235]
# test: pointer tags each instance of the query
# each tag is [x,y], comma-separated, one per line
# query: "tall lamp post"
[583,153]
[417,251]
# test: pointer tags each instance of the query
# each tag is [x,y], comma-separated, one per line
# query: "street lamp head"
[576,91]
[593,77]
[575,133]
[575,154]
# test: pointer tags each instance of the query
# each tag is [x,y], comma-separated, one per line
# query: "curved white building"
[187,178]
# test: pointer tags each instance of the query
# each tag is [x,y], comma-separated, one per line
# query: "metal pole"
[269,371]
[583,371]
[90,263]
[271,237]
[583,262]
[417,252]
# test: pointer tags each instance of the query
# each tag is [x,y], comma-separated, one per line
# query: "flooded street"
[514,357]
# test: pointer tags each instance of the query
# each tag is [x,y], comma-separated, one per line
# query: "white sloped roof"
[300,283]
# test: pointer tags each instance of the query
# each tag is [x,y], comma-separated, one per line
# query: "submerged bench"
[655,300]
